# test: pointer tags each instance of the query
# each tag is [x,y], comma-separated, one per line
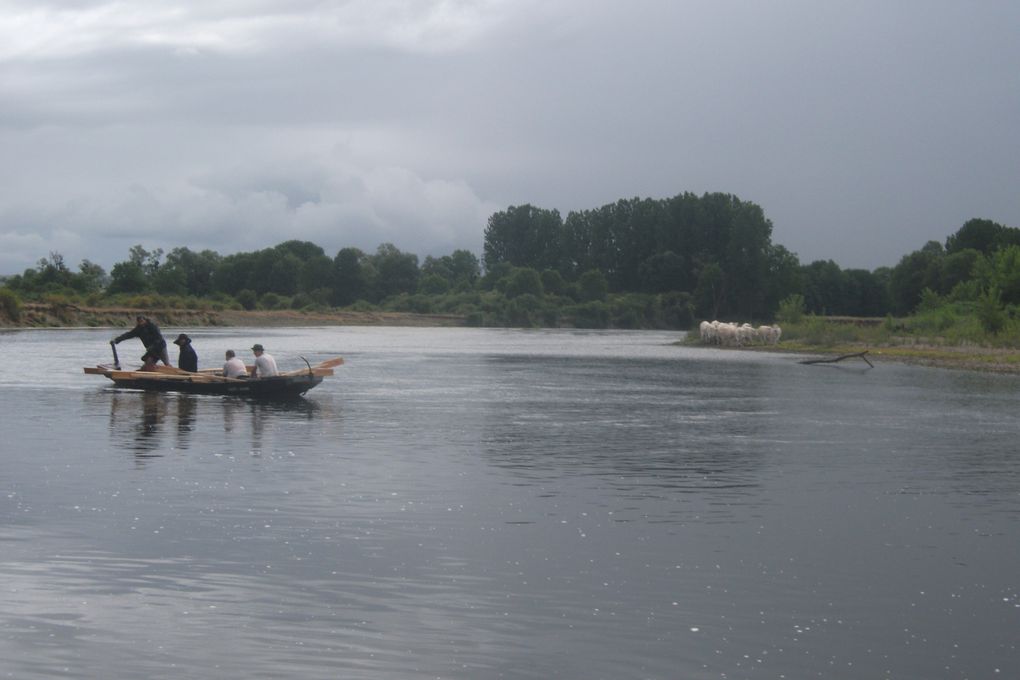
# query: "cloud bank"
[862,129]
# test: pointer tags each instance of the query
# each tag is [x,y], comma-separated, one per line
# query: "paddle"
[116,361]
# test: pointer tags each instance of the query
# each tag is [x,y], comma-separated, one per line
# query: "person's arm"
[124,336]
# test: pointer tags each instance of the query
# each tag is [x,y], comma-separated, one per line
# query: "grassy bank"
[944,341]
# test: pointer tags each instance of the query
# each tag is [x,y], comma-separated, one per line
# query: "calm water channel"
[463,503]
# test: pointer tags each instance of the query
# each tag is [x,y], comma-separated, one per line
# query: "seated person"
[188,359]
[265,364]
[234,367]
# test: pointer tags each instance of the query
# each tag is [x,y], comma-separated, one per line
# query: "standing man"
[187,360]
[265,364]
[148,332]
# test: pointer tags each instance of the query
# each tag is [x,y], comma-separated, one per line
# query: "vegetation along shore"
[633,264]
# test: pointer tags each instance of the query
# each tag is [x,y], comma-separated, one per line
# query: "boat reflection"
[153,424]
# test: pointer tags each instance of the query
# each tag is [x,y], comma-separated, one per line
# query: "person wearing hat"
[187,360]
[265,364]
[148,332]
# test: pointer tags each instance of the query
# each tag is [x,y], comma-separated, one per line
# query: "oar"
[116,361]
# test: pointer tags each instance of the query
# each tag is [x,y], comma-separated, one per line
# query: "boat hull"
[211,381]
[277,387]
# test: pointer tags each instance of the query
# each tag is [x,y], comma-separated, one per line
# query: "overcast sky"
[862,128]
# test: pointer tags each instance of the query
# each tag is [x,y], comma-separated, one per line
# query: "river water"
[474,503]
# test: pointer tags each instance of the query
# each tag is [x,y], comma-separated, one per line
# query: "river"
[479,503]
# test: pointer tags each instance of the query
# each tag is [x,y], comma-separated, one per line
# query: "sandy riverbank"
[34,315]
[970,358]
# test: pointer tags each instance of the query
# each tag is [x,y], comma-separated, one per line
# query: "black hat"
[182,339]
[257,348]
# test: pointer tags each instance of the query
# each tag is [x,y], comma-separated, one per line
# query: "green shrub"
[361,306]
[520,311]
[990,311]
[272,301]
[10,304]
[791,309]
[247,299]
[590,315]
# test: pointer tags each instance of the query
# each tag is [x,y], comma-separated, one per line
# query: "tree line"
[632,263]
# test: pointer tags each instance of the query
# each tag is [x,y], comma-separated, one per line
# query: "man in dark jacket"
[187,360]
[148,332]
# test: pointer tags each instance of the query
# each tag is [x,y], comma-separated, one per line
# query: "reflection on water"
[149,424]
[483,504]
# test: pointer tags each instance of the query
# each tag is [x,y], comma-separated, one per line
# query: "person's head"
[257,348]
[230,354]
[182,340]
[140,320]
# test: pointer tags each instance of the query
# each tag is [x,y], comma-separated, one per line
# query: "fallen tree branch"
[845,356]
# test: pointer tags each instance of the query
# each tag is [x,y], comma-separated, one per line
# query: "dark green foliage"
[915,272]
[433,284]
[10,304]
[663,272]
[791,309]
[592,286]
[459,270]
[350,277]
[127,277]
[676,310]
[590,315]
[523,311]
[524,281]
[990,311]
[396,272]
[1001,271]
[524,236]
[247,299]
[983,236]
[553,283]
[272,301]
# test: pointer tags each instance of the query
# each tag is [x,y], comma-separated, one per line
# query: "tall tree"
[916,271]
[524,236]
[396,272]
[349,277]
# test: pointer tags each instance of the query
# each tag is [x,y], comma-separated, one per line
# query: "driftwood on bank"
[834,360]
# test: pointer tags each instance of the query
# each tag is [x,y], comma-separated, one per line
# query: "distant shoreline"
[37,315]
[43,316]
[970,358]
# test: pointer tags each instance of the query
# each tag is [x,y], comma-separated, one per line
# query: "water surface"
[467,503]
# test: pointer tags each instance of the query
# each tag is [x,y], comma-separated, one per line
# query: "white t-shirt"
[265,366]
[234,368]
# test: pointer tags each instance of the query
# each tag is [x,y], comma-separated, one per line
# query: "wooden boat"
[169,379]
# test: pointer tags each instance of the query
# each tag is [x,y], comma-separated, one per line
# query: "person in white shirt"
[234,368]
[265,364]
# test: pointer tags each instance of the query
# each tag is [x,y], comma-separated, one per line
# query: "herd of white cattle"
[732,335]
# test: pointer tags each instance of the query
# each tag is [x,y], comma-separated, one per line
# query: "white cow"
[745,334]
[727,333]
[707,331]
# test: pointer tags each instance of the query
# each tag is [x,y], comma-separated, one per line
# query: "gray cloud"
[862,129]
